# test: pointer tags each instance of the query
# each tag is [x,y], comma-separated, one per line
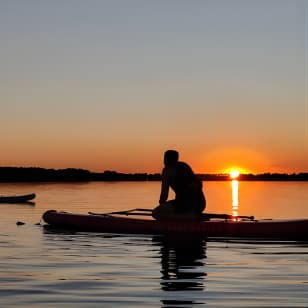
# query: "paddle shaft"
[148,212]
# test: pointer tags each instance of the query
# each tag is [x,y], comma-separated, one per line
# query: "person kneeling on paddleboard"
[189,201]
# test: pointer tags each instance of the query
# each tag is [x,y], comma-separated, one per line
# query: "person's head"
[171,157]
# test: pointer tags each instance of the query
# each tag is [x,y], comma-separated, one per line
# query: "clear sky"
[110,85]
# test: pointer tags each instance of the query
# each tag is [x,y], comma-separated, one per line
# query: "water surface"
[40,267]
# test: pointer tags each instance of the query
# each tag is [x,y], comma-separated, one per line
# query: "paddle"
[148,212]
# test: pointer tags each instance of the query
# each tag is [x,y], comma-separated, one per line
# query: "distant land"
[35,174]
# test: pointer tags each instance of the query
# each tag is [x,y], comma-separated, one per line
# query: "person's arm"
[164,188]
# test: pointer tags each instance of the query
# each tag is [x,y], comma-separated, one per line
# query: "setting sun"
[234,173]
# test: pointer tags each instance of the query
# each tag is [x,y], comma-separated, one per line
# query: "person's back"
[188,190]
[189,198]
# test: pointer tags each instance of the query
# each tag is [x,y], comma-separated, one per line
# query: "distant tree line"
[257,177]
[25,174]
[274,177]
[21,174]
[34,174]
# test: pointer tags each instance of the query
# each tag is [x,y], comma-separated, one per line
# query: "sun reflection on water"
[235,202]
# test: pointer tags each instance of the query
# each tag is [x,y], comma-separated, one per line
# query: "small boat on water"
[17,198]
[211,228]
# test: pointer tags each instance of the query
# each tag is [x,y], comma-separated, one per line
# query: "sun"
[234,173]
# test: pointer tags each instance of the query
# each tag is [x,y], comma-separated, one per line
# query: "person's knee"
[164,211]
[155,213]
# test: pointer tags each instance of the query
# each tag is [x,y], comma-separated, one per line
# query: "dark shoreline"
[35,174]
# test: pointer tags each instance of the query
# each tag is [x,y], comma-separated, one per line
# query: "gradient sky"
[110,85]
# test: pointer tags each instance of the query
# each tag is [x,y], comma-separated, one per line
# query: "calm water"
[41,268]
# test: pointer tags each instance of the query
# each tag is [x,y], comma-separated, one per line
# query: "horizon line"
[119,172]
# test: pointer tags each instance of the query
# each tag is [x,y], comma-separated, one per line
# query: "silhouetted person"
[189,200]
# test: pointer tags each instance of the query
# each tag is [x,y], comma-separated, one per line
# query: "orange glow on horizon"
[98,157]
[223,160]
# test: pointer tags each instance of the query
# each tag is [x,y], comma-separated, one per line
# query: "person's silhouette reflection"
[182,261]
